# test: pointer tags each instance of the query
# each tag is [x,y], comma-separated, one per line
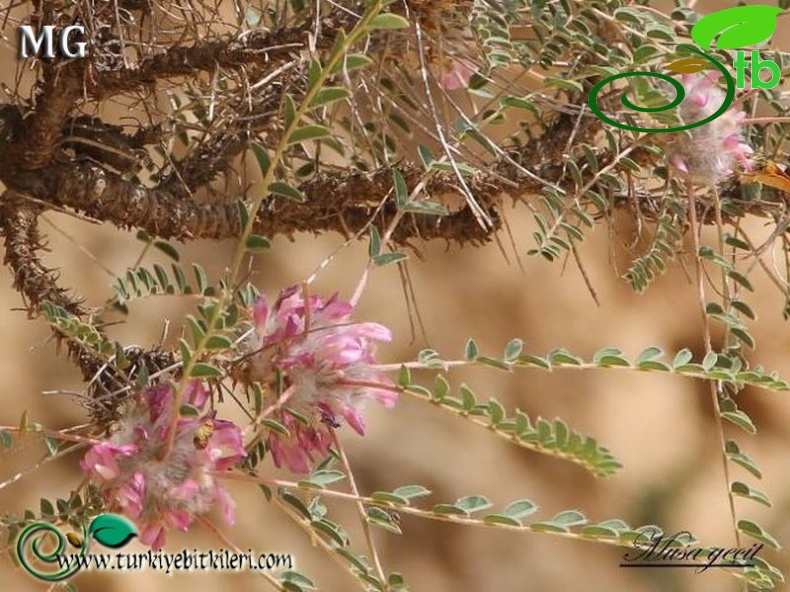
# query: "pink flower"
[708,153]
[327,367]
[161,493]
[458,77]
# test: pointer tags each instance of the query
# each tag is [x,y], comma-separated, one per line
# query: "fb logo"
[735,27]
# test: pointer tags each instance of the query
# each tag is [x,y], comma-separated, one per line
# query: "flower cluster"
[169,491]
[324,363]
[708,153]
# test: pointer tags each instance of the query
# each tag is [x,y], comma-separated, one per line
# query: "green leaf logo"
[112,530]
[680,94]
[34,534]
[738,27]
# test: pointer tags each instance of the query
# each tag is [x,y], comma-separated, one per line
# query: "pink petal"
[185,490]
[373,331]
[285,453]
[100,459]
[225,447]
[385,397]
[742,154]
[153,534]
[195,394]
[321,440]
[458,77]
[731,142]
[226,505]
[181,519]
[296,459]
[158,399]
[679,163]
[131,495]
[700,99]
[260,314]
[347,355]
[285,299]
[336,310]
[354,419]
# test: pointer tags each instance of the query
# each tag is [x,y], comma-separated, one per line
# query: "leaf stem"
[713,384]
[363,517]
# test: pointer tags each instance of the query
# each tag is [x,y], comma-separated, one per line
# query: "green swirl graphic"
[681,94]
[51,557]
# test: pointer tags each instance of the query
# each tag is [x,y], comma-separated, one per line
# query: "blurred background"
[661,428]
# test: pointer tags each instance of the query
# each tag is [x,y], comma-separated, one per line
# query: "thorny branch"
[34,281]
[53,153]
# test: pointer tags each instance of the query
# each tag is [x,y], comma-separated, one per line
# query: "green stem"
[227,294]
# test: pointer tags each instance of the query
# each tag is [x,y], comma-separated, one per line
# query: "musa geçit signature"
[656,549]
